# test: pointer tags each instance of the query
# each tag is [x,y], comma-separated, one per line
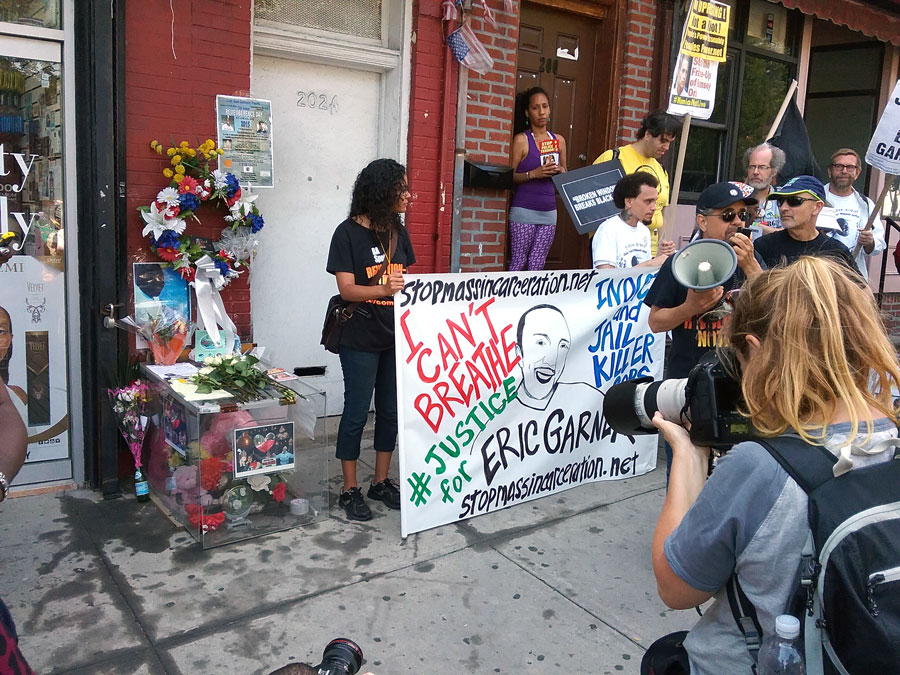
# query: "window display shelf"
[229,470]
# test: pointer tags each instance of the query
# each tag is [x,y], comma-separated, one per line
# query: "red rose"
[279,491]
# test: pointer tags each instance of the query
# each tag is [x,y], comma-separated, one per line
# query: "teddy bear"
[187,489]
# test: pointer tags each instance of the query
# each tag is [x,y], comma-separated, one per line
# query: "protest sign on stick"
[500,383]
[884,151]
[704,42]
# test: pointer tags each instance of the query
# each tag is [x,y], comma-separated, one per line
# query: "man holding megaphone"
[694,280]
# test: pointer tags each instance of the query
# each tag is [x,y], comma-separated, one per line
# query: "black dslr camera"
[341,657]
[708,398]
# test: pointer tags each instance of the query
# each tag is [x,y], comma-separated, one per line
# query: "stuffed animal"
[187,489]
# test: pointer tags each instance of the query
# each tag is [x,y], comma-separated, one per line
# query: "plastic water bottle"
[780,653]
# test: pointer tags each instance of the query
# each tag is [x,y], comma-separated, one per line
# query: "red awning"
[855,15]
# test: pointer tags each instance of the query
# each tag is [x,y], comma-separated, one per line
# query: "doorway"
[570,55]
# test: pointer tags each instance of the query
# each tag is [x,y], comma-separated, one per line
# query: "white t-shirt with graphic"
[619,244]
[852,218]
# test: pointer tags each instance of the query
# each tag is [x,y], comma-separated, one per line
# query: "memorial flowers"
[239,376]
[129,405]
[194,180]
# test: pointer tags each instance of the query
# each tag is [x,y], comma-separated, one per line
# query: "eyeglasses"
[731,214]
[758,167]
[845,167]
[793,201]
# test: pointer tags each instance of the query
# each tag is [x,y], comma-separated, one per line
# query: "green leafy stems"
[239,376]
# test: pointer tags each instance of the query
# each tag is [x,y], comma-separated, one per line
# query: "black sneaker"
[386,491]
[353,503]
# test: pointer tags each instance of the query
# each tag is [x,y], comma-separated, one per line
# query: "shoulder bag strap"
[809,465]
[349,309]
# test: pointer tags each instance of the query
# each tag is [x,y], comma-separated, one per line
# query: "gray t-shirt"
[750,517]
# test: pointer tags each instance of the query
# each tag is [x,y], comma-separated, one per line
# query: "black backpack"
[849,577]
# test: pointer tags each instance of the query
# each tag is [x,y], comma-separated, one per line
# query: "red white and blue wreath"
[192,183]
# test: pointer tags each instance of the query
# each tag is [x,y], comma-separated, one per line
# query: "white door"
[325,128]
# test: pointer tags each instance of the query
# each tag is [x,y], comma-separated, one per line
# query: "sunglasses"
[729,215]
[793,201]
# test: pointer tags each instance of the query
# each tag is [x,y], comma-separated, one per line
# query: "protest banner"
[884,148]
[587,193]
[501,379]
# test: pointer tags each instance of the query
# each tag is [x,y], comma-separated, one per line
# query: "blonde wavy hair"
[822,341]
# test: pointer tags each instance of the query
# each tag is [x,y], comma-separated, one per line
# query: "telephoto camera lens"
[341,657]
[629,406]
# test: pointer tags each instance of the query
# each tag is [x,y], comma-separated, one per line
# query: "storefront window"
[752,82]
[768,27]
[40,13]
[762,92]
[32,283]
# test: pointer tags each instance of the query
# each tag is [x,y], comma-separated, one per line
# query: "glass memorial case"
[229,470]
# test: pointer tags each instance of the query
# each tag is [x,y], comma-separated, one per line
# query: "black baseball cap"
[722,194]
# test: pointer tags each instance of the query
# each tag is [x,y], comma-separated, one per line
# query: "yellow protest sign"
[706,30]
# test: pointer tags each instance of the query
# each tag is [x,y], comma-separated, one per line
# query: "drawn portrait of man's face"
[543,346]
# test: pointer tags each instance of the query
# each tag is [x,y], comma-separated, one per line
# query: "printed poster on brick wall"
[501,379]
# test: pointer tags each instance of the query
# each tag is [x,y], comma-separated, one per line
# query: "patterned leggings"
[529,243]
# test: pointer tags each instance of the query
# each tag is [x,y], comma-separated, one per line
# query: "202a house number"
[317,100]
[549,65]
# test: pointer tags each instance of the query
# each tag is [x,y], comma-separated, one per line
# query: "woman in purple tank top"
[537,154]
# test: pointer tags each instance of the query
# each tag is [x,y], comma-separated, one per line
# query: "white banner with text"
[501,378]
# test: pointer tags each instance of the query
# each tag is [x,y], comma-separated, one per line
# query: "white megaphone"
[704,264]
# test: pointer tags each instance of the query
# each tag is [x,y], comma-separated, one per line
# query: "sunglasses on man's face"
[793,201]
[729,215]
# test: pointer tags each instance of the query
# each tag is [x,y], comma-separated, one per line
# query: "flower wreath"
[192,182]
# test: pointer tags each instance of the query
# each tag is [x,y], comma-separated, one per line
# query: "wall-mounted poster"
[245,134]
[263,449]
[33,351]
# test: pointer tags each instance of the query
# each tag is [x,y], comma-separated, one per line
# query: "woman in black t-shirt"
[359,247]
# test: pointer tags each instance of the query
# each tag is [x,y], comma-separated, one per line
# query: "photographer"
[816,362]
[721,210]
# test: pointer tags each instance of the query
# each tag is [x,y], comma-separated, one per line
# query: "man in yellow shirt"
[658,131]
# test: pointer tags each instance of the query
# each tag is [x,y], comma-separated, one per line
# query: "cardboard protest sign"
[706,30]
[704,41]
[587,193]
[884,148]
[693,89]
[501,379]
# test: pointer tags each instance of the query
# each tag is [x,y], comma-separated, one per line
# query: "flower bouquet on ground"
[239,376]
[129,405]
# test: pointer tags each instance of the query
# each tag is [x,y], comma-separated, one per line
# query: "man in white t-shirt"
[852,209]
[623,240]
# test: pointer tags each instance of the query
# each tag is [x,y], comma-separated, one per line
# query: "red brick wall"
[432,128]
[169,98]
[634,98]
[890,314]
[488,134]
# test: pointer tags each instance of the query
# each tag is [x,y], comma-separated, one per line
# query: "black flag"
[791,137]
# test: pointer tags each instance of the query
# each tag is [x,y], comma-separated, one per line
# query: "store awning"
[855,15]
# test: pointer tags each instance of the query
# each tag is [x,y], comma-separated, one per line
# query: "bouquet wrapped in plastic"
[129,404]
[166,332]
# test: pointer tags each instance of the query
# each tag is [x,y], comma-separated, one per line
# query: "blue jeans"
[365,372]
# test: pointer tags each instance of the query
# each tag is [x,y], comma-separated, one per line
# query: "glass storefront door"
[33,314]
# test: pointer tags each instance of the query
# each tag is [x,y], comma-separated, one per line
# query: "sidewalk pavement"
[562,584]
